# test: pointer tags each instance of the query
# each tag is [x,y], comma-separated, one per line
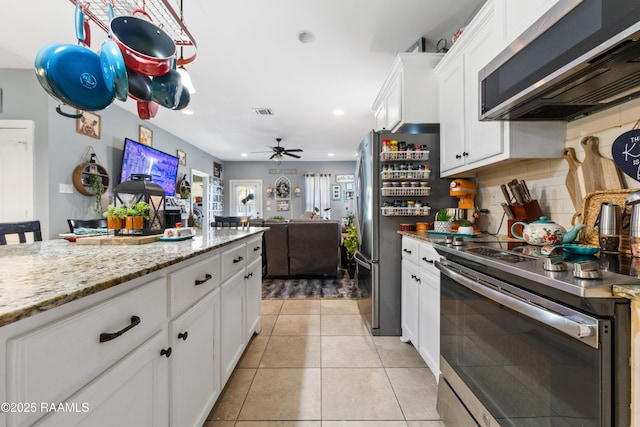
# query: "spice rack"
[410,166]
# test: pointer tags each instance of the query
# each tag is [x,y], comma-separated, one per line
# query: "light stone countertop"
[39,276]
[629,291]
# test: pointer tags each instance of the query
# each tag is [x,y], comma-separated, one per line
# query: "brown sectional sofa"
[302,248]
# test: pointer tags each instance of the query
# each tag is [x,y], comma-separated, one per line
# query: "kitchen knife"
[508,211]
[525,190]
[515,190]
[505,192]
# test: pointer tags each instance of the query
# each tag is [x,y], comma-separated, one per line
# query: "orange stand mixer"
[465,191]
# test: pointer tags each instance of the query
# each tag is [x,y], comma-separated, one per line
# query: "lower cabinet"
[195,357]
[134,392]
[421,302]
[155,351]
[232,319]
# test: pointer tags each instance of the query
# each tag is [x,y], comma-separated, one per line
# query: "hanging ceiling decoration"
[161,12]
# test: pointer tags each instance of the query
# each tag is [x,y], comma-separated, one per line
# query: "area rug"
[341,286]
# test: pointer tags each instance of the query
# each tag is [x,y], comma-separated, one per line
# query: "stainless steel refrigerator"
[379,211]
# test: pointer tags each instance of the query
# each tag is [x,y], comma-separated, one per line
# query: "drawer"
[189,284]
[233,260]
[427,253]
[254,248]
[52,362]
[410,249]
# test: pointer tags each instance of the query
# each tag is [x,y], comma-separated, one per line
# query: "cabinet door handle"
[108,336]
[257,248]
[206,278]
[465,154]
[183,335]
[406,250]
[458,156]
[248,275]
[166,353]
[430,261]
[238,259]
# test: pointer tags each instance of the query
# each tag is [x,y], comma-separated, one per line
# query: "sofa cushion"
[276,250]
[314,248]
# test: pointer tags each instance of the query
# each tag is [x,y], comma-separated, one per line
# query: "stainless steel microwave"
[580,57]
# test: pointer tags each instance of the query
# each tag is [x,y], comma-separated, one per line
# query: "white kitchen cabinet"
[232,320]
[421,301]
[134,392]
[410,92]
[468,144]
[253,297]
[517,16]
[410,303]
[195,361]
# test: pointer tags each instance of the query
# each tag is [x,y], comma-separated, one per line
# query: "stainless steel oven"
[517,350]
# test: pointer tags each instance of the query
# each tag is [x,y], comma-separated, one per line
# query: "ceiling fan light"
[186,79]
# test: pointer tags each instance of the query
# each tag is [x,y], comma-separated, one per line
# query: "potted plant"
[443,221]
[115,216]
[350,244]
[136,214]
[97,188]
[465,227]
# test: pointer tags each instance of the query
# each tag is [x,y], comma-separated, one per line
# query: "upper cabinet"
[466,142]
[410,92]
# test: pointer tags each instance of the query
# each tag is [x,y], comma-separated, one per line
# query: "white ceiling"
[249,57]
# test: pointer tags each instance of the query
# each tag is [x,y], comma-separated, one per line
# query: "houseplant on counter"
[443,221]
[136,215]
[115,216]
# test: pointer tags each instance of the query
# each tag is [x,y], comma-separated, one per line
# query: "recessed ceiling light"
[187,112]
[305,36]
[244,154]
[338,112]
[331,154]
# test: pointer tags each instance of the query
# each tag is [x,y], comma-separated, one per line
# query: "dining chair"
[21,229]
[229,221]
[86,223]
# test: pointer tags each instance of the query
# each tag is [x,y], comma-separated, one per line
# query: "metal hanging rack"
[161,12]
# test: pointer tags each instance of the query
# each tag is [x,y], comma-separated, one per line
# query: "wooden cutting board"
[599,173]
[119,240]
[574,180]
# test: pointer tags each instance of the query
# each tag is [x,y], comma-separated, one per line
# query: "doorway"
[16,170]
[200,197]
[245,197]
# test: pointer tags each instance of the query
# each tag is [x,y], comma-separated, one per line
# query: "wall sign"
[284,171]
[626,153]
[283,205]
[344,178]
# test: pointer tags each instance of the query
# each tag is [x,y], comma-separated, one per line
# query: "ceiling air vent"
[263,111]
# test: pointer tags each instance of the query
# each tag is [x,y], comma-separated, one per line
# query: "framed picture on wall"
[217,170]
[145,135]
[336,192]
[348,195]
[282,205]
[88,124]
[182,158]
[344,178]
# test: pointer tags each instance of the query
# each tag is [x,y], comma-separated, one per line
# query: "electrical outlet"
[66,188]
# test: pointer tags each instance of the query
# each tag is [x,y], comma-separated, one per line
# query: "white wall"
[546,178]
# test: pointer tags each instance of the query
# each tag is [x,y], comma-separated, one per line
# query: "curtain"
[318,193]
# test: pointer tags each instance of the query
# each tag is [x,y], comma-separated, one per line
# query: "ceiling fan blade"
[292,155]
[294,149]
[259,152]
[273,155]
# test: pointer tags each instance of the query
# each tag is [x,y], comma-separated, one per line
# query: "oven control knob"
[587,270]
[458,241]
[584,331]
[554,263]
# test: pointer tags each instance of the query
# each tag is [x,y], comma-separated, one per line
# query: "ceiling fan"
[279,151]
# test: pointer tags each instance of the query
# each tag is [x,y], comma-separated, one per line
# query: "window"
[245,198]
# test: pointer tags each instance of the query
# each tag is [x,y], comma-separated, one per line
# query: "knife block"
[529,211]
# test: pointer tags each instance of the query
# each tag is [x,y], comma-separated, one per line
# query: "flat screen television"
[140,158]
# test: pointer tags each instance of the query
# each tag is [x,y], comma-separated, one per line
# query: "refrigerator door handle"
[360,260]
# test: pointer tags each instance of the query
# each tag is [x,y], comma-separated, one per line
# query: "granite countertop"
[39,276]
[629,291]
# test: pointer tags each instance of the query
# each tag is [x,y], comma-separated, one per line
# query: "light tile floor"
[315,365]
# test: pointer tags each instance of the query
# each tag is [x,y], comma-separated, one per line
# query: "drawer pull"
[183,335]
[108,336]
[238,259]
[257,248]
[166,353]
[206,278]
[406,250]
[430,261]
[248,275]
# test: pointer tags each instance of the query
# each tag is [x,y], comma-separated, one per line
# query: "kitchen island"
[125,334]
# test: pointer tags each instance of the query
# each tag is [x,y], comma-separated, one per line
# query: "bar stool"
[20,228]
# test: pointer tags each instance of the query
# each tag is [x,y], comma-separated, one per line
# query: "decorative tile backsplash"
[546,178]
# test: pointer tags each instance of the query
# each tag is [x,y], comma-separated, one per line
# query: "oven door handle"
[586,333]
